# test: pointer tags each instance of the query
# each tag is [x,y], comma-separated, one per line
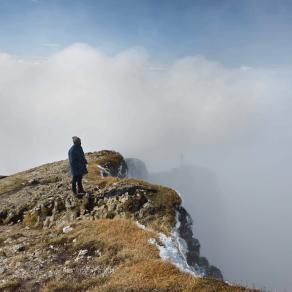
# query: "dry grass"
[117,236]
[94,177]
[136,264]
[11,184]
[120,242]
[11,286]
[30,219]
[106,156]
[62,286]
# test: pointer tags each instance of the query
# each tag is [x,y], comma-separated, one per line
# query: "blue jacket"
[77,160]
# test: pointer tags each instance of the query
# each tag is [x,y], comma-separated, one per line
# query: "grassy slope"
[123,246]
[136,263]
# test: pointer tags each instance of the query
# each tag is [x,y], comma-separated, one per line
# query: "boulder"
[109,163]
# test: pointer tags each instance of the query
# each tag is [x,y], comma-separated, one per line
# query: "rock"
[82,252]
[111,163]
[111,206]
[33,182]
[67,229]
[81,255]
[186,233]
[100,212]
[108,270]
[86,203]
[12,216]
[58,205]
[19,247]
[46,209]
[73,215]
[214,272]
[124,198]
[8,240]
[71,202]
[21,239]
[203,262]
[2,270]
[68,270]
[46,222]
[49,221]
[100,202]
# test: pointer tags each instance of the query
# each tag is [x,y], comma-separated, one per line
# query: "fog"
[231,124]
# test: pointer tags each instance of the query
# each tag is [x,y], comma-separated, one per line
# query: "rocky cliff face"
[107,240]
[137,168]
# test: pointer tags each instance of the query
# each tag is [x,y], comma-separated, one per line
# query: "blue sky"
[253,33]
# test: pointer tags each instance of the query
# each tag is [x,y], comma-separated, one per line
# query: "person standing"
[77,163]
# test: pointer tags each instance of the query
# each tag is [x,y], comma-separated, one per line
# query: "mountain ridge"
[40,216]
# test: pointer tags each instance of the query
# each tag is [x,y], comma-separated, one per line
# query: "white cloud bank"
[120,102]
[237,121]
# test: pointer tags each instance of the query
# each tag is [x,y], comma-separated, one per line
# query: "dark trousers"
[77,179]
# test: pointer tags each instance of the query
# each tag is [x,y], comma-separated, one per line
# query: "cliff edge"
[124,235]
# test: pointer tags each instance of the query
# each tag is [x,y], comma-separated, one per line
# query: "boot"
[81,190]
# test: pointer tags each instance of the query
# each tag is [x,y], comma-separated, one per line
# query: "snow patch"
[174,249]
[140,225]
[120,174]
[67,229]
[169,251]
[103,170]
[182,245]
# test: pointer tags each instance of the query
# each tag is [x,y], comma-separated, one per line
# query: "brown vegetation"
[136,263]
[38,255]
